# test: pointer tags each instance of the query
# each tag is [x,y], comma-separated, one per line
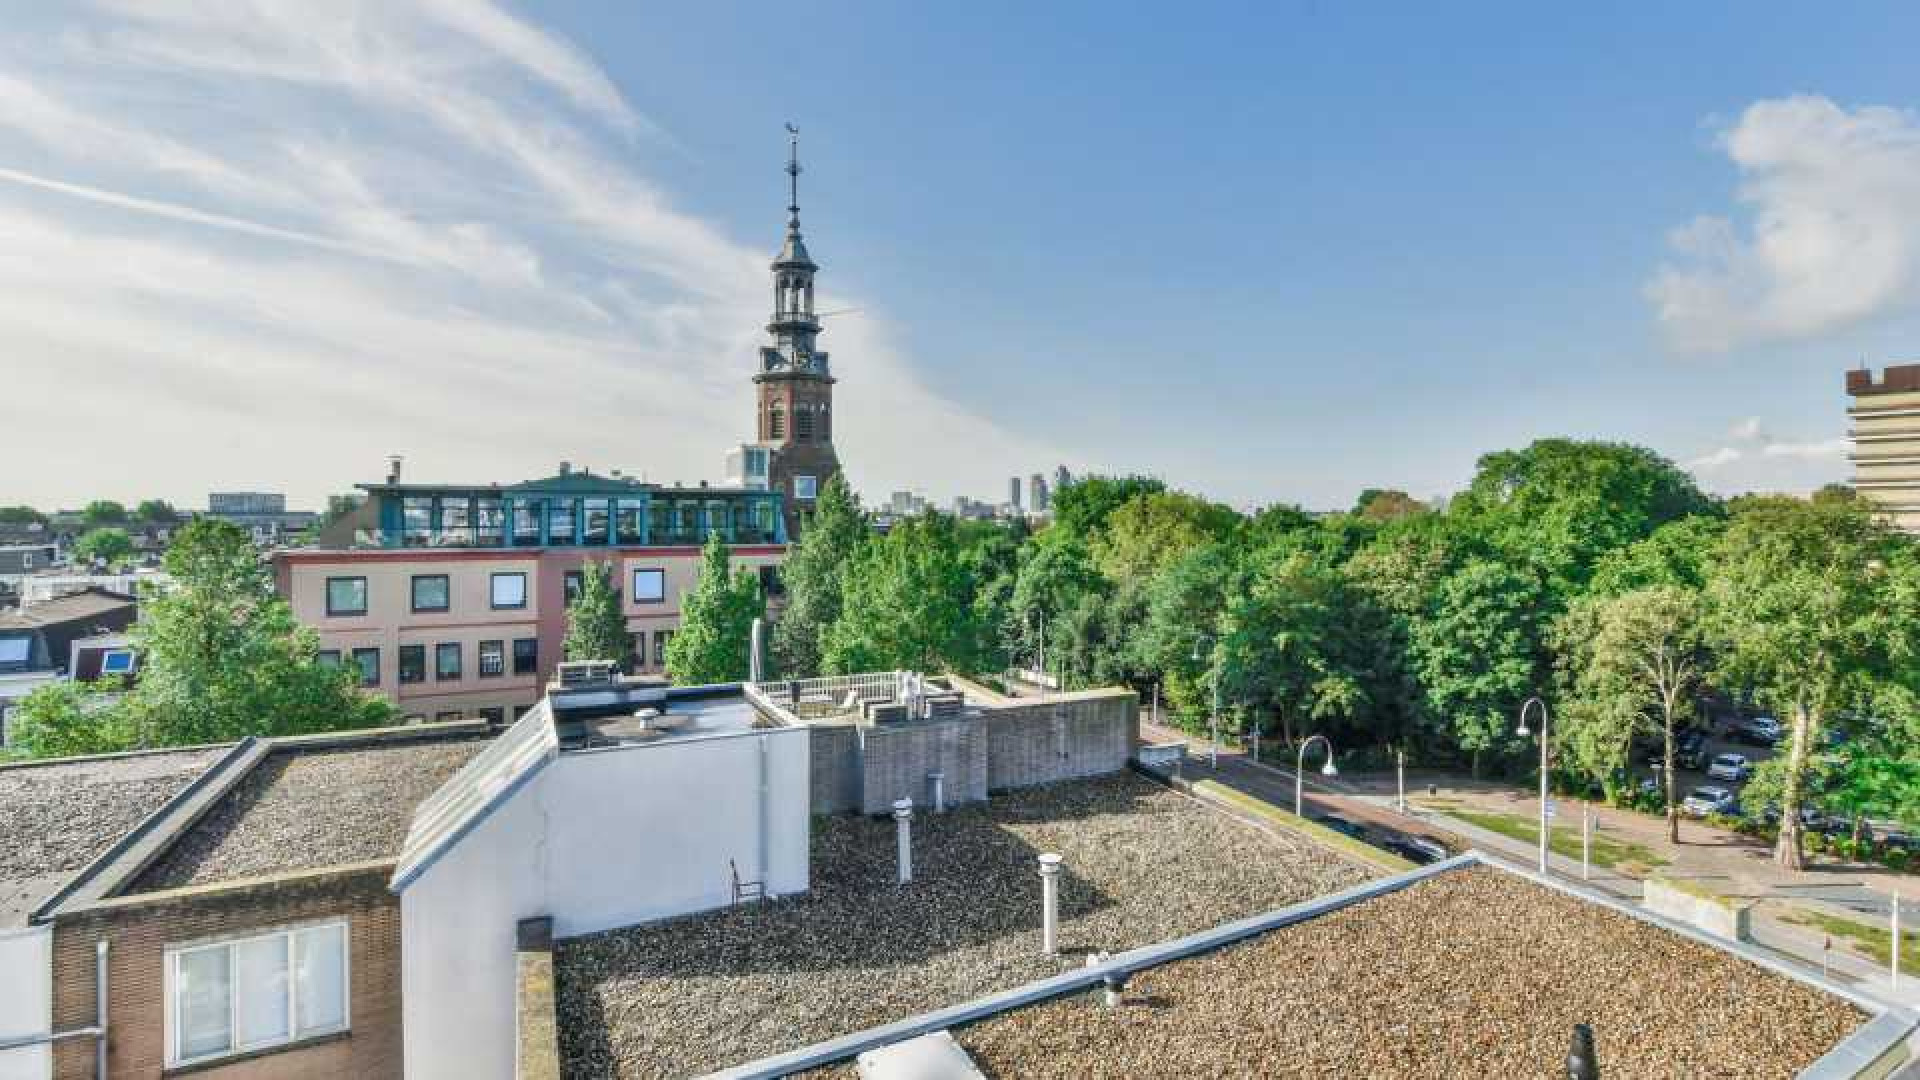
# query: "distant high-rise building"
[1061,478]
[1886,441]
[1037,493]
[1013,492]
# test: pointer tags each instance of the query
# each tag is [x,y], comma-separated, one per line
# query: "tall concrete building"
[1886,440]
[1013,492]
[1037,493]
[795,406]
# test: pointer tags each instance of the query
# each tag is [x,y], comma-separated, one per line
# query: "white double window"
[253,993]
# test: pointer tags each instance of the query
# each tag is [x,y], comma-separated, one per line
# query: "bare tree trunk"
[1673,804]
[1786,851]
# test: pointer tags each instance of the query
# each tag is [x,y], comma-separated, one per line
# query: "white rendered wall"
[26,1000]
[597,840]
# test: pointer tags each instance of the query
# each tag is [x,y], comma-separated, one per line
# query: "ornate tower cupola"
[795,421]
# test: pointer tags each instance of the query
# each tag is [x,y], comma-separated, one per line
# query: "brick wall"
[896,759]
[834,768]
[1060,738]
[139,929]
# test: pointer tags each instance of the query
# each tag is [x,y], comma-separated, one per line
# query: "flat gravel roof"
[1141,864]
[304,809]
[1474,972]
[57,817]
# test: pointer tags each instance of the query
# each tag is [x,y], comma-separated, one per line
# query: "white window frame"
[106,658]
[170,991]
[639,599]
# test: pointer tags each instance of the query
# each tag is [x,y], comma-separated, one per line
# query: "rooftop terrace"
[1474,972]
[302,808]
[56,817]
[1142,864]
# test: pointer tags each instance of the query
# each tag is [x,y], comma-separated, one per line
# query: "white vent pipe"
[903,831]
[1050,904]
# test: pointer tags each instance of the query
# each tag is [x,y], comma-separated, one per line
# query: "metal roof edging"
[1067,982]
[409,872]
[213,783]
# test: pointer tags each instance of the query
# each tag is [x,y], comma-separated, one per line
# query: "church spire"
[794,325]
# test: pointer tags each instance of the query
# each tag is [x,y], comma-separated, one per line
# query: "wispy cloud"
[268,243]
[1753,460]
[1831,235]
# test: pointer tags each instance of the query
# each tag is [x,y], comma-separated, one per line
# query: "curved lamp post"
[1300,766]
[1523,733]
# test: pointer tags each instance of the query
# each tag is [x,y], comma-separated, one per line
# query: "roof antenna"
[793,173]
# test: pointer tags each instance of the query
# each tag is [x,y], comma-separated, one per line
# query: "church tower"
[795,421]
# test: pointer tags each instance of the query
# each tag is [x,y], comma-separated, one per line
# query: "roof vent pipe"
[1116,984]
[757,651]
[938,781]
[903,831]
[1050,904]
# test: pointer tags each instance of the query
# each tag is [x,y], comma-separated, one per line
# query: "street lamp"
[1300,766]
[1213,721]
[1523,733]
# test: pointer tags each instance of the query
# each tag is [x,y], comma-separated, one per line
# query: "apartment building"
[1885,417]
[451,599]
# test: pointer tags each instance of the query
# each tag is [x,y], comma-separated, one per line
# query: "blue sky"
[1271,252]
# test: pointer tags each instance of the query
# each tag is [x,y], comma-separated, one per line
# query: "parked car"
[1702,801]
[1340,824]
[1419,850]
[1734,768]
[1758,731]
[1690,749]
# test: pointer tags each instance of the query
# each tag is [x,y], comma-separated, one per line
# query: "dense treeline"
[1594,574]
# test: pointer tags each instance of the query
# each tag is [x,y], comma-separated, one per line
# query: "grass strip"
[1565,840]
[1312,830]
[1868,938]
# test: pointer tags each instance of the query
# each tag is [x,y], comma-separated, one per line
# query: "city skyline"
[265,249]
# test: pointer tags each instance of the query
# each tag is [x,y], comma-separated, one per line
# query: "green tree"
[1184,604]
[596,627]
[103,512]
[1054,578]
[1628,662]
[221,658]
[68,719]
[1147,532]
[1282,647]
[1387,504]
[1676,553]
[909,604]
[815,574]
[21,515]
[157,512]
[1811,606]
[1474,652]
[1082,507]
[716,621]
[107,545]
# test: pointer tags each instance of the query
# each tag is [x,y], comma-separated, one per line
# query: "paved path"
[1728,863]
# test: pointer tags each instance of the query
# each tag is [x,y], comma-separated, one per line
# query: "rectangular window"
[526,656]
[806,487]
[449,716]
[456,522]
[116,662]
[446,660]
[571,584]
[494,715]
[560,522]
[369,662]
[629,519]
[510,590]
[521,710]
[329,658]
[413,663]
[526,522]
[649,586]
[490,522]
[346,596]
[416,520]
[803,422]
[594,513]
[770,583]
[430,592]
[493,659]
[660,639]
[255,992]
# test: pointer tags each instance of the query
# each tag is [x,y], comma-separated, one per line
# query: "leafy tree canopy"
[21,515]
[909,603]
[1147,532]
[716,621]
[1387,504]
[107,545]
[157,512]
[104,512]
[596,627]
[1082,507]
[815,573]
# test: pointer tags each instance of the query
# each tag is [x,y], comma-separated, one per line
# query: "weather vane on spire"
[793,169]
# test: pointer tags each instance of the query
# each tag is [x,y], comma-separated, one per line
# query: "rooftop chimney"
[393,468]
[566,468]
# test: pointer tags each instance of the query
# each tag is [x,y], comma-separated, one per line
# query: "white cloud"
[1747,429]
[1823,450]
[1724,456]
[287,239]
[1832,235]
